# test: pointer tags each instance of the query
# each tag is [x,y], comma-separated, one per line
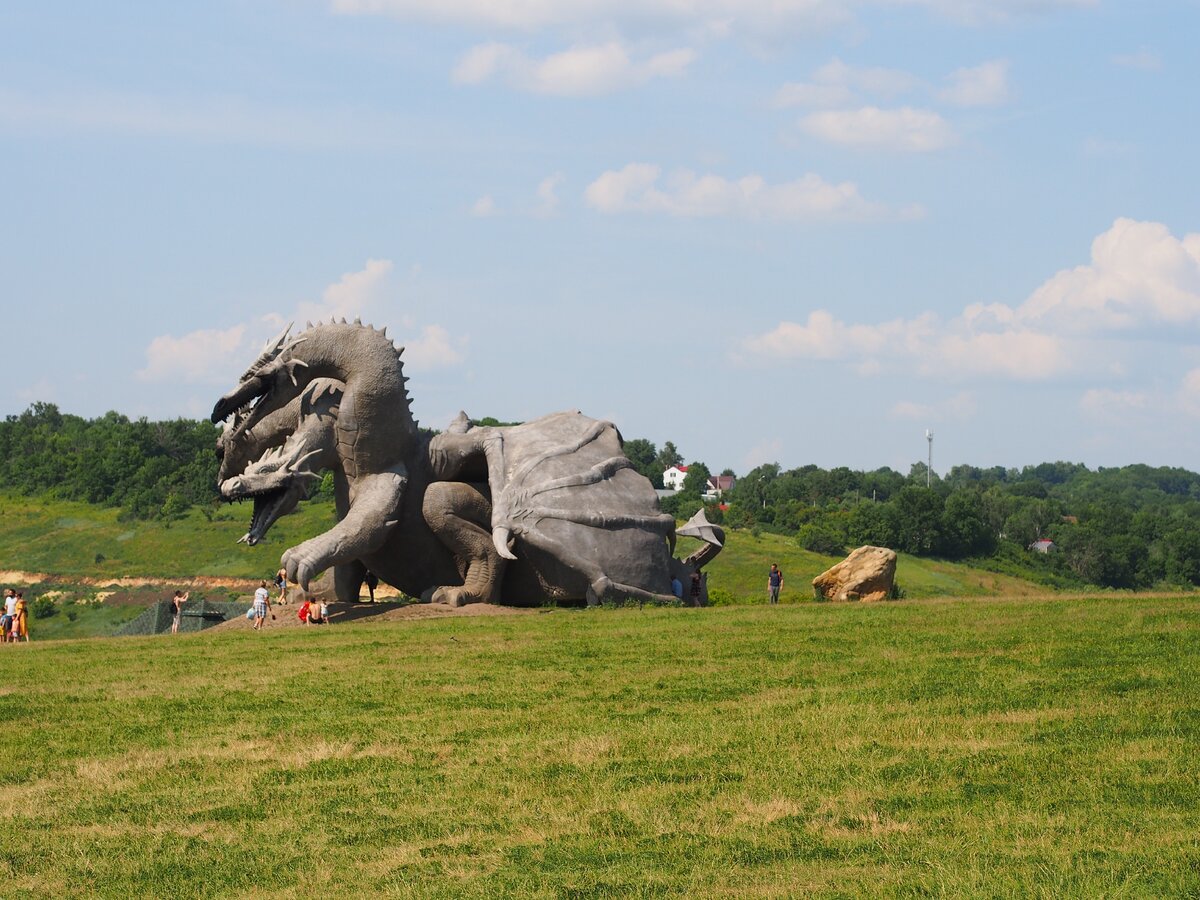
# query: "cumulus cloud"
[839,84]
[637,188]
[434,348]
[925,344]
[982,85]
[217,356]
[354,294]
[199,357]
[718,17]
[1140,277]
[578,71]
[547,194]
[484,207]
[1107,405]
[906,128]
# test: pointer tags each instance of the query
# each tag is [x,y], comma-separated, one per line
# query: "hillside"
[89,544]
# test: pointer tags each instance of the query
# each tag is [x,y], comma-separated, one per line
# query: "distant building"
[718,485]
[1043,546]
[673,478]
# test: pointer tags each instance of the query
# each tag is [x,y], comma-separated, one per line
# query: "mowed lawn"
[986,747]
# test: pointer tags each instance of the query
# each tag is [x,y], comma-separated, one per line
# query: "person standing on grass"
[774,583]
[177,602]
[20,627]
[281,583]
[262,605]
[6,620]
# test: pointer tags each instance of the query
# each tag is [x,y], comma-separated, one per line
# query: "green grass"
[988,748]
[741,571]
[78,539]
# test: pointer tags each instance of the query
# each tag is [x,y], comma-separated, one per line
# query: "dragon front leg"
[458,514]
[366,526]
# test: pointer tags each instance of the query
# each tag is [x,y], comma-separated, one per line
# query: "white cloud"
[547,194]
[578,71]
[203,356]
[484,207]
[435,348]
[216,356]
[713,17]
[874,80]
[1140,276]
[356,294]
[982,85]
[1189,393]
[906,128]
[637,188]
[1113,406]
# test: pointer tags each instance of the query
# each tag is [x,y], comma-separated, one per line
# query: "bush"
[43,608]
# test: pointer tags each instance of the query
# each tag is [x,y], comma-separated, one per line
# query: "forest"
[1130,527]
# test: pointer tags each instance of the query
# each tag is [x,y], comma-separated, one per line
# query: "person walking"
[774,583]
[177,602]
[262,606]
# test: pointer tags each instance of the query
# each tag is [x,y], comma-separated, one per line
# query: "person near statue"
[774,583]
[262,606]
[676,587]
[177,602]
[281,583]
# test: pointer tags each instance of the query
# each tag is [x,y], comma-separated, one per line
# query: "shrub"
[43,608]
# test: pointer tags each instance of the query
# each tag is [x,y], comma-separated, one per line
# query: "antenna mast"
[929,465]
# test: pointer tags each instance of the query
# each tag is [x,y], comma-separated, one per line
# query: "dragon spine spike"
[308,325]
[343,322]
[357,320]
[383,331]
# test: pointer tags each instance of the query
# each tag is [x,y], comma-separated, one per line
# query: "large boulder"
[867,574]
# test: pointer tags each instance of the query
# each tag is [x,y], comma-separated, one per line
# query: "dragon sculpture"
[546,511]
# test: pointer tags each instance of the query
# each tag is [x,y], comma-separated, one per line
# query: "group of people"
[311,612]
[14,623]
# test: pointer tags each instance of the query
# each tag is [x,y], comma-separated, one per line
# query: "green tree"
[695,482]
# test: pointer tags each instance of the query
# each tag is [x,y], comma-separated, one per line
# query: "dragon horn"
[270,350]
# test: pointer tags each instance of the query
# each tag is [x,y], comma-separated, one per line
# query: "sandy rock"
[867,574]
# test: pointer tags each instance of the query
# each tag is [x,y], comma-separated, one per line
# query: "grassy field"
[988,747]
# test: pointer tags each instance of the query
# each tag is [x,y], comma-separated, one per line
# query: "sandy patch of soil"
[340,613]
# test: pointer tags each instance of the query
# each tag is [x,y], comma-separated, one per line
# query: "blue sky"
[789,230]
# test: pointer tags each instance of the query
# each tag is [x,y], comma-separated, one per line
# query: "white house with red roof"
[673,478]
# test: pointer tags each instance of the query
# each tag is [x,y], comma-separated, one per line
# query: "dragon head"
[269,384]
[276,466]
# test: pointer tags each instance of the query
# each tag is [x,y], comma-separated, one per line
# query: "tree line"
[1129,527]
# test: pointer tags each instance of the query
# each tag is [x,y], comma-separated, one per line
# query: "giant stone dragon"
[547,511]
